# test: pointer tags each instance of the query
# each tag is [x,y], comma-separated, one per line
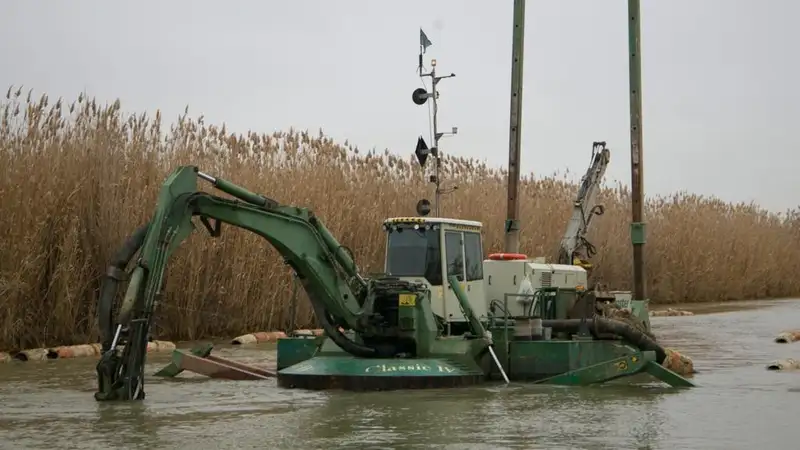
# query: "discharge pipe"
[601,326]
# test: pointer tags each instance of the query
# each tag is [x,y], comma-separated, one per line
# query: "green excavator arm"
[339,295]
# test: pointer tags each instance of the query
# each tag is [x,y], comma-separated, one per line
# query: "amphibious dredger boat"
[441,317]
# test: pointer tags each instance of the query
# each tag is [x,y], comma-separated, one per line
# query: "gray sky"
[721,97]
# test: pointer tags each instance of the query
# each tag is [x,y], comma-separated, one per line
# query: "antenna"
[420,96]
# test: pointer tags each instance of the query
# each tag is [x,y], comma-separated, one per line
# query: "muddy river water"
[739,404]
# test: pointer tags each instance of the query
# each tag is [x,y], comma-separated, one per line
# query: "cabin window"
[473,256]
[414,253]
[455,254]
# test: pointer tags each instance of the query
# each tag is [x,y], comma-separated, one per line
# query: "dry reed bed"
[78,177]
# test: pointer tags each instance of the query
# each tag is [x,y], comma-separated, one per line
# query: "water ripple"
[49,405]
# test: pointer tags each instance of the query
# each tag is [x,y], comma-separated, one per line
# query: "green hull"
[294,350]
[537,360]
[321,364]
[571,357]
[359,374]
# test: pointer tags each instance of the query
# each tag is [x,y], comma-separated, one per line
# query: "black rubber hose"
[339,338]
[108,289]
[601,326]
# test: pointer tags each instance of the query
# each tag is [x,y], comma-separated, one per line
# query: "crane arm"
[575,249]
[339,295]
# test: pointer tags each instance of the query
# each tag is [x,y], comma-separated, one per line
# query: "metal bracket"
[638,233]
[512,225]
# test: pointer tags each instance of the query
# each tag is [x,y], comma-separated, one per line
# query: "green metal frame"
[572,361]
[575,360]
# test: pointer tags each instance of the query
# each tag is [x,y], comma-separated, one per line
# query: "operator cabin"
[429,250]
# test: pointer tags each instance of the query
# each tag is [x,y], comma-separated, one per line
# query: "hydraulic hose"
[338,337]
[114,274]
[602,326]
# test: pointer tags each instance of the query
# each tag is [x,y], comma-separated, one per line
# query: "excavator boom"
[575,249]
[339,295]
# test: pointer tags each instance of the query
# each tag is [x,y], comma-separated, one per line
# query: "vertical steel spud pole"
[515,129]
[637,169]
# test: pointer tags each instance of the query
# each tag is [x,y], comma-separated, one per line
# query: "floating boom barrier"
[787,337]
[784,364]
[155,346]
[73,351]
[260,337]
[670,312]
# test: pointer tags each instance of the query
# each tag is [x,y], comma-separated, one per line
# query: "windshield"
[414,253]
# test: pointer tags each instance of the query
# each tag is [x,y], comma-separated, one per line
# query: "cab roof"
[433,220]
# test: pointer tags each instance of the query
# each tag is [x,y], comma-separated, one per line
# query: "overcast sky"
[720,87]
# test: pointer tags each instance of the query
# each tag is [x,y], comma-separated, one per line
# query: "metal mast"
[637,170]
[515,129]
[420,96]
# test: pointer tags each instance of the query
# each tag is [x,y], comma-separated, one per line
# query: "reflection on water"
[49,405]
[502,417]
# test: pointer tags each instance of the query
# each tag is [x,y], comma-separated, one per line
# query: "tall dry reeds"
[78,178]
